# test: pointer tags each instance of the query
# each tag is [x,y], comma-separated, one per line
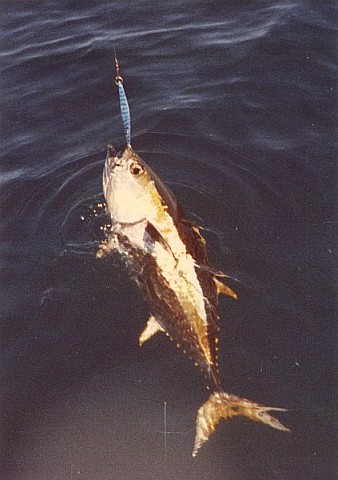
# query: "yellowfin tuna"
[166,255]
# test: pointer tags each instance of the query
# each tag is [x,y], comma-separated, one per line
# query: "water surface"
[233,105]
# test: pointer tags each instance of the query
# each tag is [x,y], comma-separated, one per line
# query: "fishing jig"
[125,112]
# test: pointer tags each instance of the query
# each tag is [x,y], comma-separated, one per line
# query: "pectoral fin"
[157,236]
[150,329]
[222,288]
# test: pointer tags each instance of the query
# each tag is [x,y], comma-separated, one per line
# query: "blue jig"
[124,107]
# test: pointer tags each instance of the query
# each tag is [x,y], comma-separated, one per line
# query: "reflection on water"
[234,107]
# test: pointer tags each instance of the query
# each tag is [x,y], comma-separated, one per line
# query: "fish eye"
[136,169]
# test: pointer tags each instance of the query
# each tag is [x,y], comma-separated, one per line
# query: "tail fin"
[223,405]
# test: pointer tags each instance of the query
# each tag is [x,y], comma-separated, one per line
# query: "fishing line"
[124,106]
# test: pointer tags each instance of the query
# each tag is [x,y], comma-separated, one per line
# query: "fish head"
[130,187]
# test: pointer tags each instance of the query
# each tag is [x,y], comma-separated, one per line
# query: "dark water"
[232,104]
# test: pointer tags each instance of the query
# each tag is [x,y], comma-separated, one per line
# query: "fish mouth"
[113,160]
[109,166]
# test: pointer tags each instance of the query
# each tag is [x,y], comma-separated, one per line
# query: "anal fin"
[222,288]
[150,329]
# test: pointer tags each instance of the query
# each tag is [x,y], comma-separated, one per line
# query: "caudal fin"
[222,405]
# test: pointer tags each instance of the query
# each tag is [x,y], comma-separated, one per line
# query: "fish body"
[166,254]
